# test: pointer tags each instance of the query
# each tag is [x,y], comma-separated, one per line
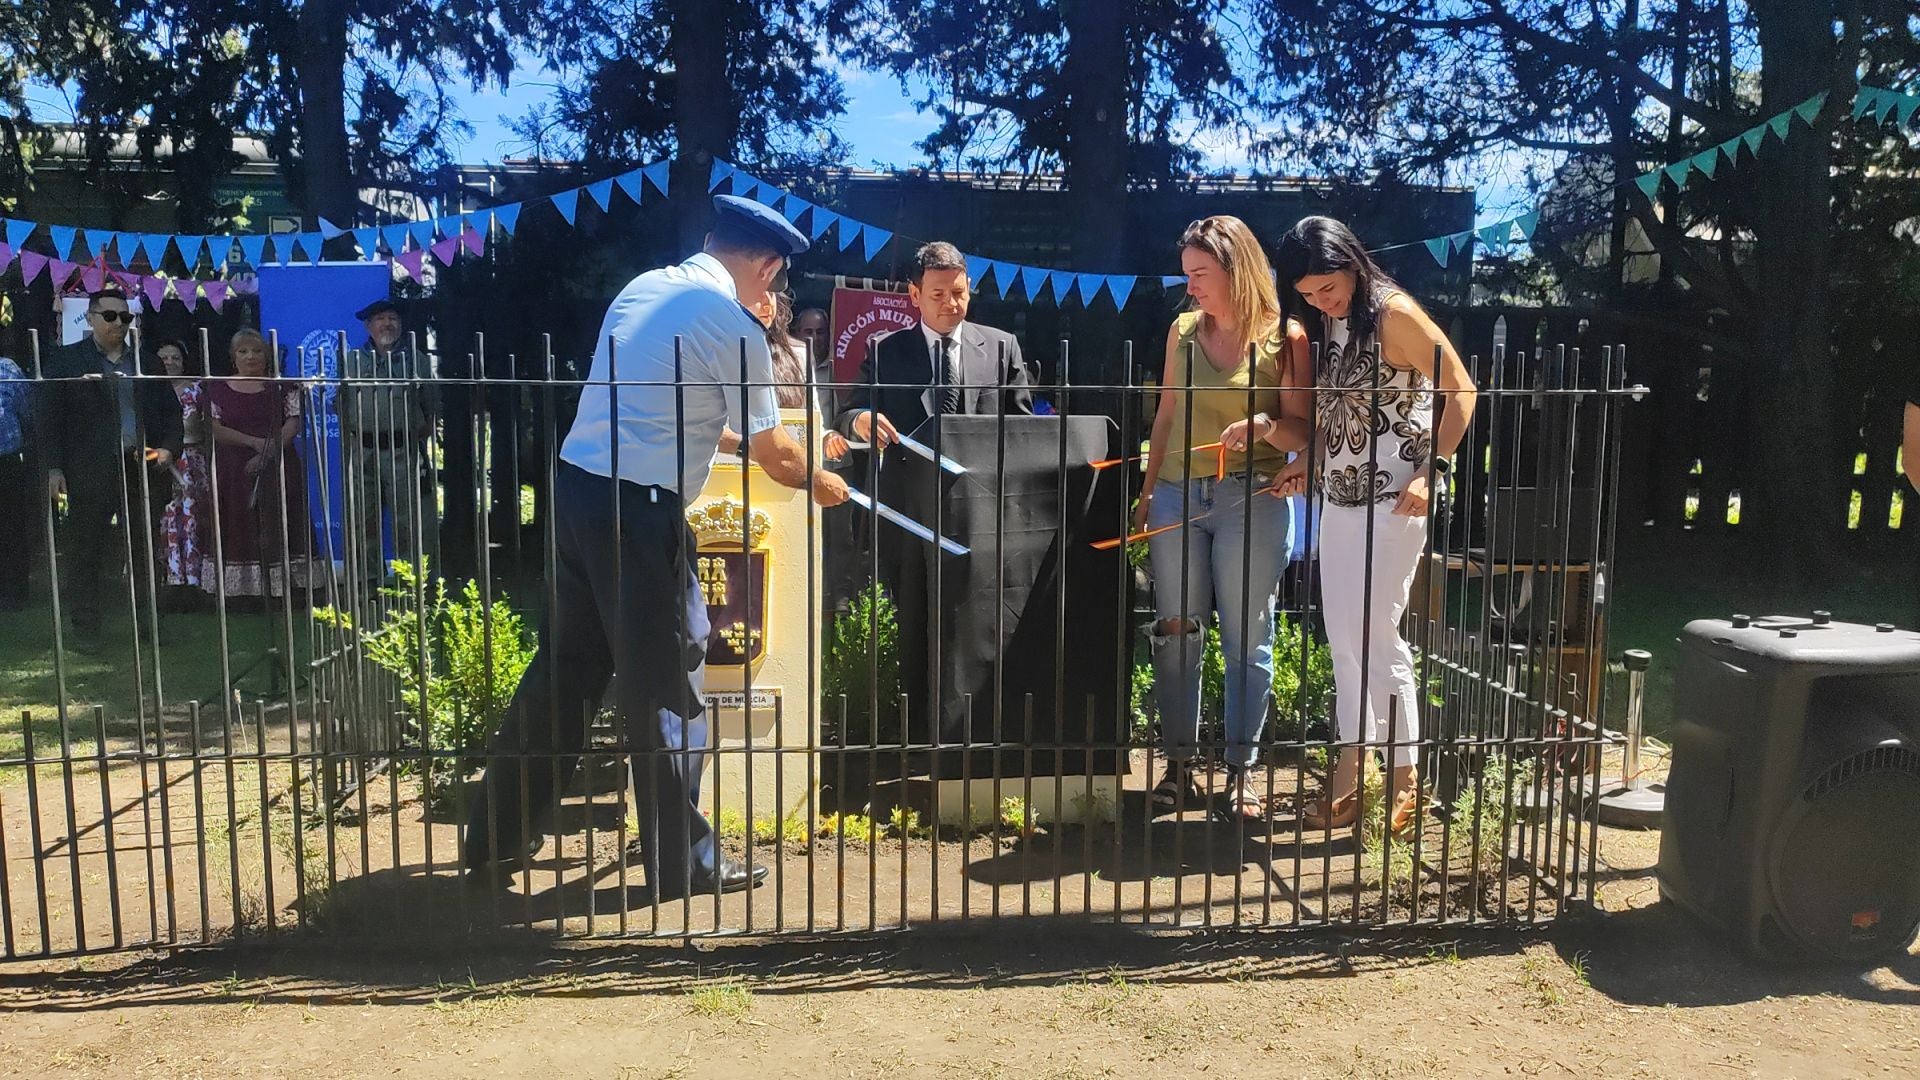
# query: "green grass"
[107,675]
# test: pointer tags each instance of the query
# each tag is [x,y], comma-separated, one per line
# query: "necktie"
[950,376]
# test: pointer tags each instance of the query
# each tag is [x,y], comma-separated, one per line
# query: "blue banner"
[310,307]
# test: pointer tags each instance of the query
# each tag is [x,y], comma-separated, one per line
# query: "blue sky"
[880,124]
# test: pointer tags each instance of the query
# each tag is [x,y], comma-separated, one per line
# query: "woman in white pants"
[1375,445]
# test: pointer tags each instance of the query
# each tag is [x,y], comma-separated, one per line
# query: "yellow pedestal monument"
[762,672]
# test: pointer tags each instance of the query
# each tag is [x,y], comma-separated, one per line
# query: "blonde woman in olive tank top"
[1225,538]
[1376,443]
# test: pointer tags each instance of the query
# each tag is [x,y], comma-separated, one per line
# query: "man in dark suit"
[108,439]
[945,366]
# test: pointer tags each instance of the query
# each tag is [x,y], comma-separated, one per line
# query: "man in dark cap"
[388,413]
[666,379]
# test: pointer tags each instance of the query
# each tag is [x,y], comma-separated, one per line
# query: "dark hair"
[780,330]
[1322,245]
[186,355]
[938,255]
[94,298]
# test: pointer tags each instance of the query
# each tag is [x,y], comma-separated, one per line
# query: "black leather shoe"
[480,866]
[732,876]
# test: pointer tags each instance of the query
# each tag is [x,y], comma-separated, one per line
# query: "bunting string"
[83,254]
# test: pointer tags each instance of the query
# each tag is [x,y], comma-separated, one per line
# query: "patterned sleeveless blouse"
[1375,421]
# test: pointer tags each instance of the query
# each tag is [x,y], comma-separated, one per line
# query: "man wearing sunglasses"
[108,438]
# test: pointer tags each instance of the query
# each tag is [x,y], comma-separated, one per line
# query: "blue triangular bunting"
[395,237]
[876,239]
[369,241]
[766,193]
[1495,235]
[1120,287]
[220,248]
[63,241]
[1440,248]
[1173,281]
[977,268]
[448,226]
[1527,223]
[1003,273]
[125,246]
[190,248]
[253,248]
[629,182]
[822,221]
[311,243]
[328,230]
[794,207]
[567,202]
[849,232]
[155,245]
[422,233]
[719,175]
[1460,240]
[88,245]
[17,233]
[508,215]
[1063,282]
[1090,287]
[601,191]
[1033,279]
[658,174]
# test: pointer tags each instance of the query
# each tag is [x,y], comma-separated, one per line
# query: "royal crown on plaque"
[720,521]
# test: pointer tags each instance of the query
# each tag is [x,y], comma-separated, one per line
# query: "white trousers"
[1372,667]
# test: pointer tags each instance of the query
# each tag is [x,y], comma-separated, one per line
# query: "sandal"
[1326,814]
[1175,785]
[1242,806]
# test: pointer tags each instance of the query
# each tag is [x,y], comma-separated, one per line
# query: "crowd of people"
[209,470]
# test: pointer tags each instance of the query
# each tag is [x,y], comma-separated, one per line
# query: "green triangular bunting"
[1677,172]
[1778,125]
[1731,148]
[1865,101]
[1810,108]
[1905,110]
[1753,137]
[1648,183]
[1706,162]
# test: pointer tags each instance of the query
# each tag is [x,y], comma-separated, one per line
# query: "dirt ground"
[1634,990]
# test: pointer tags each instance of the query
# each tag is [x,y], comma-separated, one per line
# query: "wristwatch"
[1441,465]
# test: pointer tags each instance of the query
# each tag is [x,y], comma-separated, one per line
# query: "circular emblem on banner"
[319,368]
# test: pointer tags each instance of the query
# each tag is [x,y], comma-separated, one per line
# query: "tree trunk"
[320,68]
[1795,509]
[1095,74]
[704,117]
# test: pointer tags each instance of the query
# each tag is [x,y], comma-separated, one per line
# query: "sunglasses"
[111,316]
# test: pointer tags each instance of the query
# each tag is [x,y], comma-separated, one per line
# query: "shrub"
[467,686]
[853,667]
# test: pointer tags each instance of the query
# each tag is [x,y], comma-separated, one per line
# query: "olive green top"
[1219,399]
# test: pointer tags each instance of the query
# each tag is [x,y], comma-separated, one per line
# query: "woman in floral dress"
[182,524]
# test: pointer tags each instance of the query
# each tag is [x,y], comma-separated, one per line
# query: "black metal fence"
[209,764]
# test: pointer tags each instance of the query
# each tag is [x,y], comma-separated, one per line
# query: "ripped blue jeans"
[1227,558]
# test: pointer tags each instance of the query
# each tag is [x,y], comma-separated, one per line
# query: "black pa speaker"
[1792,818]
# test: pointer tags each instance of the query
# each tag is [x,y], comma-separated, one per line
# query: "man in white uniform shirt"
[666,379]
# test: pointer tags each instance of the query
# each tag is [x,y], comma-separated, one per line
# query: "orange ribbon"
[1114,542]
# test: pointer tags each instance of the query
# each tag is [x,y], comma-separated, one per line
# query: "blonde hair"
[250,336]
[1256,302]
